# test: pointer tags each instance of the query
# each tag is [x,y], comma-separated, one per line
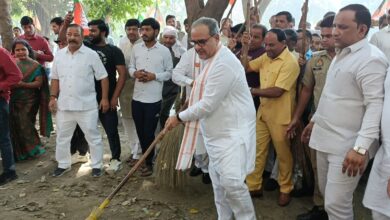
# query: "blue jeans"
[5,141]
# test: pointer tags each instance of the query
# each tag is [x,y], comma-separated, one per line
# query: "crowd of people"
[305,110]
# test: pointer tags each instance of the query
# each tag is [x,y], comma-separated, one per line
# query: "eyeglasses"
[200,42]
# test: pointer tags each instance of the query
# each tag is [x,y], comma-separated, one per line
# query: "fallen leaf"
[125,203]
[146,211]
[21,195]
[22,181]
[194,211]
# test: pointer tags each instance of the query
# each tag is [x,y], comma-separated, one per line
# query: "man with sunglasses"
[220,96]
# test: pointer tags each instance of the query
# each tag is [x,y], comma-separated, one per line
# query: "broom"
[96,213]
[166,174]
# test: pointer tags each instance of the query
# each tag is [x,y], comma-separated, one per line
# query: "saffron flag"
[381,10]
[79,16]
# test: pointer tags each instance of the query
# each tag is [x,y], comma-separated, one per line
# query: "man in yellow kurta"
[279,71]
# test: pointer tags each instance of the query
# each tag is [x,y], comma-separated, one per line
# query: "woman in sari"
[29,96]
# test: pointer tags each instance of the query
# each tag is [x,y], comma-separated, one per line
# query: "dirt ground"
[37,195]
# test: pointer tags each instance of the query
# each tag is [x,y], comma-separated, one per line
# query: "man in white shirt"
[150,65]
[74,70]
[226,117]
[381,39]
[184,74]
[126,44]
[184,40]
[377,195]
[170,89]
[345,126]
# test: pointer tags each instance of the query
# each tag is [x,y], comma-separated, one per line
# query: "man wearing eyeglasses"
[221,108]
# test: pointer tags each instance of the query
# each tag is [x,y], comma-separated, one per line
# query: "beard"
[95,40]
[147,38]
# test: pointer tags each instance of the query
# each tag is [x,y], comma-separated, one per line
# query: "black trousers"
[146,116]
[166,106]
[109,121]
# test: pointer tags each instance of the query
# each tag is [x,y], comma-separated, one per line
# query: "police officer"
[312,84]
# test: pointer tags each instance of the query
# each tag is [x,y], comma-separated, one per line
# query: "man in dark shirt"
[256,48]
[114,61]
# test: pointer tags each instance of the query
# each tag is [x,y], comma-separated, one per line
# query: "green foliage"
[117,10]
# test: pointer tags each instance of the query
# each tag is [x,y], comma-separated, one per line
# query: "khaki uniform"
[315,76]
[315,73]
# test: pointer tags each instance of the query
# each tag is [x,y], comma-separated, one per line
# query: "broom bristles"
[166,174]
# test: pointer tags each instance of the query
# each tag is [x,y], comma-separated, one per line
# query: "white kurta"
[227,117]
[376,197]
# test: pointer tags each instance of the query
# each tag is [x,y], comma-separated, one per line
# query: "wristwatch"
[360,150]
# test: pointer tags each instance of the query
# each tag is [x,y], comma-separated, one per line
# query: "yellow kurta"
[274,115]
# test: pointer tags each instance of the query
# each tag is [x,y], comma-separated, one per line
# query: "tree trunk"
[6,24]
[213,9]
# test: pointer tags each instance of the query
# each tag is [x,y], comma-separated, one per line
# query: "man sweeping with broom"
[221,107]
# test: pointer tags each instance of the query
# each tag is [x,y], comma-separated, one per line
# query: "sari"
[24,106]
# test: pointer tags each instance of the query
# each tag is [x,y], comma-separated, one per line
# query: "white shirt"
[350,107]
[381,39]
[178,49]
[76,73]
[126,47]
[184,42]
[182,74]
[376,197]
[226,112]
[157,60]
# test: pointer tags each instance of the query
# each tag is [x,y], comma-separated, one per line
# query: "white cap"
[169,30]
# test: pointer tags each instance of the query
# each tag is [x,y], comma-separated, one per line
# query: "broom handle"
[137,165]
[230,11]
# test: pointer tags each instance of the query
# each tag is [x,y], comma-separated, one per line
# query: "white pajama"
[379,216]
[66,123]
[231,194]
[129,126]
[201,157]
[337,188]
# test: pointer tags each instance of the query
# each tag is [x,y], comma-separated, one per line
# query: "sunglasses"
[200,42]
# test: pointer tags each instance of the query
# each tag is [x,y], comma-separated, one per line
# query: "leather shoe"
[195,171]
[317,213]
[284,199]
[271,185]
[206,178]
[256,193]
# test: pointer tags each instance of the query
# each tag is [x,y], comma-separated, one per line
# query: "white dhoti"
[127,118]
[135,148]
[66,122]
